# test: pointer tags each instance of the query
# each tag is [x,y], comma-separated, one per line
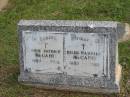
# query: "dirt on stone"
[3,4]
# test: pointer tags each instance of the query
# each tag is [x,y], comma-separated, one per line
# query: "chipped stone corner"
[118,73]
[126,35]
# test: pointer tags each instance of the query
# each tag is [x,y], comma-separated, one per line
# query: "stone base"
[71,88]
[25,80]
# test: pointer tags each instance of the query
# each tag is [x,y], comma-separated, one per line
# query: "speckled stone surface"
[64,81]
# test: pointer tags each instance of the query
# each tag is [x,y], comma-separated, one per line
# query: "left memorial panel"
[43,52]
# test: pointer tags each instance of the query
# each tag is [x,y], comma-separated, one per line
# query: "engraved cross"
[83,46]
[46,45]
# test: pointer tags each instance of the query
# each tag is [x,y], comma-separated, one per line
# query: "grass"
[116,10]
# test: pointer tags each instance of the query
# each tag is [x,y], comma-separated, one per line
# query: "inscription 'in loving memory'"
[72,53]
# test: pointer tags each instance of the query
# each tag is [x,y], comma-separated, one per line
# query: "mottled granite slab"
[70,55]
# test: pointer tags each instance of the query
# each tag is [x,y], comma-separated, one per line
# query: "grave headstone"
[70,55]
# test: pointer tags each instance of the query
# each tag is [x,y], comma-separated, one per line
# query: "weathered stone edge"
[73,23]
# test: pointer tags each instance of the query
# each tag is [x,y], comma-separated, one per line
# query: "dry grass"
[3,4]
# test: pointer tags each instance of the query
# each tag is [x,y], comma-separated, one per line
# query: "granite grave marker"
[70,55]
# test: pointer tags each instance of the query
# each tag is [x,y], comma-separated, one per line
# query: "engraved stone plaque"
[86,54]
[43,52]
[70,55]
